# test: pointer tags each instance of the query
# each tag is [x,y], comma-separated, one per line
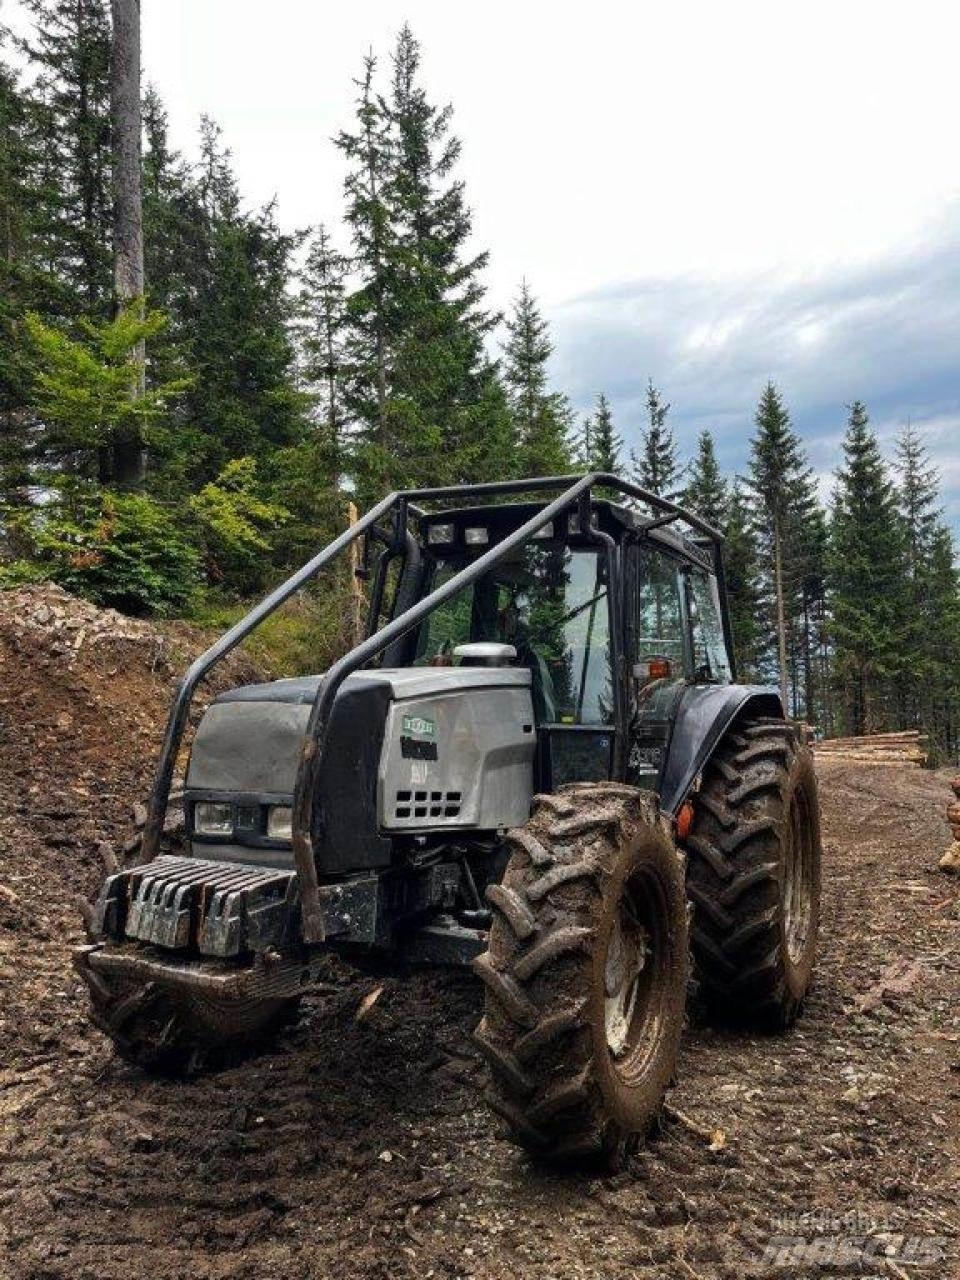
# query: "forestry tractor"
[538,762]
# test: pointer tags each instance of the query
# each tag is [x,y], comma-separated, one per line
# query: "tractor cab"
[613,621]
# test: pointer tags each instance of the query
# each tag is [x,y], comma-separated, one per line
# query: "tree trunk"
[129,455]
[781,612]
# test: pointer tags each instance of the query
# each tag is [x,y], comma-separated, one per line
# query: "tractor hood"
[414,750]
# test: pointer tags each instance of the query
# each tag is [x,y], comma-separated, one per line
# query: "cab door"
[660,657]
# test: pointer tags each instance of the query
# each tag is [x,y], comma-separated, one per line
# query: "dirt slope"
[361,1149]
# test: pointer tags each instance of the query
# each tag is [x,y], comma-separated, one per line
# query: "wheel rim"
[635,970]
[797,886]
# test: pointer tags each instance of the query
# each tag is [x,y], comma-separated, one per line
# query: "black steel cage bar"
[180,711]
[308,817]
[573,487]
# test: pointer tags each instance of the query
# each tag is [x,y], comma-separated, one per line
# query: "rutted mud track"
[361,1149]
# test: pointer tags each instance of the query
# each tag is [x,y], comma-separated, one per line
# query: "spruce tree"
[372,316]
[785,511]
[441,378]
[70,52]
[706,490]
[424,397]
[540,417]
[866,576]
[24,286]
[605,445]
[742,575]
[235,318]
[940,700]
[927,634]
[656,466]
[323,333]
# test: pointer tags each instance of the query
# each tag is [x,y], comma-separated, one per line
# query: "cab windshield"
[550,602]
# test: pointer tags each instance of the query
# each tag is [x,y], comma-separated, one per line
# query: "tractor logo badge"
[420,726]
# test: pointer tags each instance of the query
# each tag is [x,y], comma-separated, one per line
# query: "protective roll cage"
[307,809]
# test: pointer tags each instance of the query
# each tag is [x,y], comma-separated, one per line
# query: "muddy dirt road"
[360,1149]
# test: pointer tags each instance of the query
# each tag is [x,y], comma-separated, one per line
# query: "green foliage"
[304,635]
[601,445]
[541,418]
[706,490]
[789,529]
[865,574]
[743,583]
[656,466]
[118,549]
[423,395]
[84,389]
[234,523]
[69,52]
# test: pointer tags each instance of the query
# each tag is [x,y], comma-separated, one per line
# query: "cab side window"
[659,617]
[711,661]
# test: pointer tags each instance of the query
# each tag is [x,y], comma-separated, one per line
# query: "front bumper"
[264,978]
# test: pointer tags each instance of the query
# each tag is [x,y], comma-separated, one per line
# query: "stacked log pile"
[906,747]
[951,859]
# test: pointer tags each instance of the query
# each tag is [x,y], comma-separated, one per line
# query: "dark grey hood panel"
[249,746]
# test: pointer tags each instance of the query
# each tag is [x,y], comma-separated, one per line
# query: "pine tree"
[706,490]
[424,398]
[656,466]
[866,576]
[541,418]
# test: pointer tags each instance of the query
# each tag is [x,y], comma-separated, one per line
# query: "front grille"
[415,806]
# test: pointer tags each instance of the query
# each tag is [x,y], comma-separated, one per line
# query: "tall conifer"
[866,576]
[540,417]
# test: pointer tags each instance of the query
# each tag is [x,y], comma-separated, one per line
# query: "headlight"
[476,537]
[213,819]
[440,533]
[280,822]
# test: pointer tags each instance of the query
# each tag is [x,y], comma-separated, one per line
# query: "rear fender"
[704,714]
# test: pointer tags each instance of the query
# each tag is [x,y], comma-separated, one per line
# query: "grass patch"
[303,637]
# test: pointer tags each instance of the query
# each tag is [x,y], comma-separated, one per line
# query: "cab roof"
[613,518]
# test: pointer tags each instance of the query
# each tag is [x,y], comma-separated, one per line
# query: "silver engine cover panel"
[458,750]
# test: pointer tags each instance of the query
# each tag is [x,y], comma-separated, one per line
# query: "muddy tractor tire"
[169,1032]
[753,876]
[585,974]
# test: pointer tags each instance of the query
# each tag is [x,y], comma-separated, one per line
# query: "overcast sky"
[708,194]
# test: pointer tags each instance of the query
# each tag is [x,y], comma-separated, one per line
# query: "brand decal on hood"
[421,726]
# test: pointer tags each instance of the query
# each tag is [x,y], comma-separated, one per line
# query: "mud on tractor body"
[538,762]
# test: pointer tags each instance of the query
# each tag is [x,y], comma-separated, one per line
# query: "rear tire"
[585,974]
[753,875]
[169,1032]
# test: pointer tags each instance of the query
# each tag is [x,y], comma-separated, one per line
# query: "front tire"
[585,974]
[753,875]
